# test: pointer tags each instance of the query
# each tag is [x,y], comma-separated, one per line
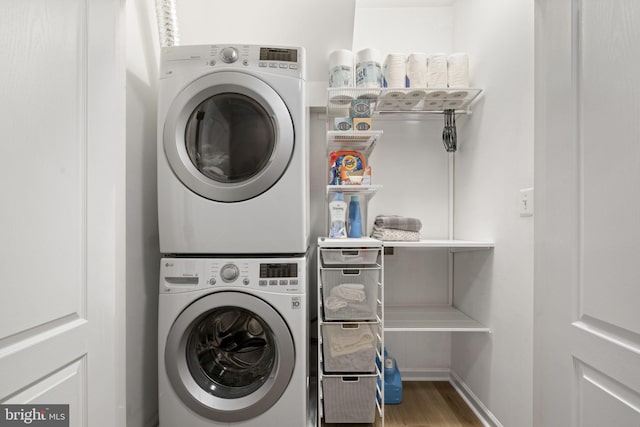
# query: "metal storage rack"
[350,382]
[350,386]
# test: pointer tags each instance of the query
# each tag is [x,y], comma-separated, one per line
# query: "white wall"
[142,216]
[403,26]
[494,161]
[319,25]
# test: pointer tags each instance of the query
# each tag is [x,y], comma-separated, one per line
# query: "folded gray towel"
[398,222]
[392,234]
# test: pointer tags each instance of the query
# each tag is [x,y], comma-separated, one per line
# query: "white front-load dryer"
[232,341]
[232,150]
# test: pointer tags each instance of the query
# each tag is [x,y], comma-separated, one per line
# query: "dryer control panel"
[276,275]
[288,61]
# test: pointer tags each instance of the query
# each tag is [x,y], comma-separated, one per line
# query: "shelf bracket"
[449,133]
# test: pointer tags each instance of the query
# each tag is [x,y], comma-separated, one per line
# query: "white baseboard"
[481,411]
[424,375]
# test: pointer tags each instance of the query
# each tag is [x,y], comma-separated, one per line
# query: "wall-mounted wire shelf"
[414,101]
[404,103]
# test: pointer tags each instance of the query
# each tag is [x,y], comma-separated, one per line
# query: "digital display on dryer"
[275,54]
[279,270]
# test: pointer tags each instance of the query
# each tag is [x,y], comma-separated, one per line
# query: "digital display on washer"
[278,270]
[275,54]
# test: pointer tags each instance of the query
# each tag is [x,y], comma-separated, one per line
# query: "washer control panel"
[281,275]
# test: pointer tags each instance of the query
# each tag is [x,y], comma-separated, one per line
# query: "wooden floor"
[427,404]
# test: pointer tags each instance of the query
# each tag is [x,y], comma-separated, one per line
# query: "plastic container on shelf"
[392,382]
[338,216]
[355,218]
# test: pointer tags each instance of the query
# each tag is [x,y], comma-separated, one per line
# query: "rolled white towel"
[334,303]
[349,340]
[349,292]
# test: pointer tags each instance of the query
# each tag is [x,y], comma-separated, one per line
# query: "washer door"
[229,356]
[228,136]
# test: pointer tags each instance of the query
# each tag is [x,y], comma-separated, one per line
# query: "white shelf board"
[453,245]
[326,242]
[362,141]
[367,191]
[430,318]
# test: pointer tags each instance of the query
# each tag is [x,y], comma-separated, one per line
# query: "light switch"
[526,202]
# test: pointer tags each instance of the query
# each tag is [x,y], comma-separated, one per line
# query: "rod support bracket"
[449,133]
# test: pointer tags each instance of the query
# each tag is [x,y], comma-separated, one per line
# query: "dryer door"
[229,356]
[228,136]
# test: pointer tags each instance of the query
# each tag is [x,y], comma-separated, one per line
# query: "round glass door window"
[231,352]
[229,356]
[230,137]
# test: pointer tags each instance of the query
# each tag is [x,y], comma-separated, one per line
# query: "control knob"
[229,273]
[229,54]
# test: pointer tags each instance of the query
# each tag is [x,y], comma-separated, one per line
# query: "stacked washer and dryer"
[233,206]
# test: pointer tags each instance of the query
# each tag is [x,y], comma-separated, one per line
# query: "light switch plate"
[526,202]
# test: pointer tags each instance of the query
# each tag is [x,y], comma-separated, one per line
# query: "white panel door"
[62,207]
[587,230]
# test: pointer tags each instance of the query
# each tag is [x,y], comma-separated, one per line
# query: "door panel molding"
[42,354]
[64,386]
[39,333]
[58,386]
[44,273]
[608,197]
[601,400]
[610,332]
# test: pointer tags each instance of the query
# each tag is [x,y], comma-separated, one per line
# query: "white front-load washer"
[232,150]
[232,340]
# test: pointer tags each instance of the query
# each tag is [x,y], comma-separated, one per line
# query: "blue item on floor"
[392,382]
